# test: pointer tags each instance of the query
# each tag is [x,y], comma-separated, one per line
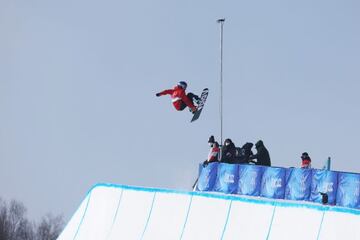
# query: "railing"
[342,189]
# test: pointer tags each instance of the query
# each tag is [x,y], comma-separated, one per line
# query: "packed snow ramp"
[120,212]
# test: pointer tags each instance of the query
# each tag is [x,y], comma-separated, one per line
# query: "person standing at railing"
[245,153]
[262,156]
[228,153]
[305,160]
[214,151]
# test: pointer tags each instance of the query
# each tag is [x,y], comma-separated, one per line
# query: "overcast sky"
[78,82]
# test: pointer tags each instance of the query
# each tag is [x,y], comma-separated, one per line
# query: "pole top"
[221,20]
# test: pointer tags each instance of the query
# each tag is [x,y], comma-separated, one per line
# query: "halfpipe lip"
[233,197]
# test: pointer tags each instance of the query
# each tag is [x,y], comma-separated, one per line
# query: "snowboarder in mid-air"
[179,98]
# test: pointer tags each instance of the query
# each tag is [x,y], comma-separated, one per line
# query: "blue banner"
[342,189]
[323,181]
[207,176]
[250,179]
[273,182]
[298,184]
[348,192]
[227,178]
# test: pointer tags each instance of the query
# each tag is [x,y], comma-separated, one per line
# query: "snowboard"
[200,106]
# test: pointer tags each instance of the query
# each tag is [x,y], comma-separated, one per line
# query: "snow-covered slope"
[121,212]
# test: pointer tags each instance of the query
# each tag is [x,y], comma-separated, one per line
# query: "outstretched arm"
[165,92]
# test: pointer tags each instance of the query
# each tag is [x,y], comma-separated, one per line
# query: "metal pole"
[328,164]
[221,21]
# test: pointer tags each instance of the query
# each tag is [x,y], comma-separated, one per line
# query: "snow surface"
[123,212]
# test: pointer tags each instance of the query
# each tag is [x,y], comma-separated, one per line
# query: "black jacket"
[243,153]
[228,153]
[262,155]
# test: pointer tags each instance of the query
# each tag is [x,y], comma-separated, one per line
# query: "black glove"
[158,94]
[193,110]
[205,163]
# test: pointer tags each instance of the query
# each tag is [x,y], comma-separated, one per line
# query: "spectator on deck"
[214,151]
[246,152]
[305,160]
[228,152]
[262,156]
[243,153]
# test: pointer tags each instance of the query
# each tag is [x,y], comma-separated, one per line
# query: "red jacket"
[306,163]
[213,154]
[177,95]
